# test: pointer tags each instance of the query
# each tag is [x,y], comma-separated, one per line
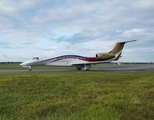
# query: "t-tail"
[117,50]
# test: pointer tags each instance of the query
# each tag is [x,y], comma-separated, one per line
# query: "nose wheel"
[30,68]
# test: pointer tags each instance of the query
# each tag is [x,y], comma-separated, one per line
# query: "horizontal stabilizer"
[127,41]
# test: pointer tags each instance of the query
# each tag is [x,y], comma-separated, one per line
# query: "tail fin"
[117,50]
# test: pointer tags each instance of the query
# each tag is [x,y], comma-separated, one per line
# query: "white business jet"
[77,61]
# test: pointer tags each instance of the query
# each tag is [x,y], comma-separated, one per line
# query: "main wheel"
[78,68]
[87,68]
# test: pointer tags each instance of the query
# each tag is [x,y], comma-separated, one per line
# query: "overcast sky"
[49,28]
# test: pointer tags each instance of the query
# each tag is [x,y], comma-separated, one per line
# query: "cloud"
[3,43]
[82,36]
[7,45]
[68,26]
[144,4]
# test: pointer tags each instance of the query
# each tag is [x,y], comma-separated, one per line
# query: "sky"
[50,28]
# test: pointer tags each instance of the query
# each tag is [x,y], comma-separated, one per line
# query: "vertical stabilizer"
[117,50]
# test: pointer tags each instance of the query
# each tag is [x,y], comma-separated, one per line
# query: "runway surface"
[121,68]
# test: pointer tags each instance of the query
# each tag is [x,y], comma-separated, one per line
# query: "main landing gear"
[86,67]
[78,68]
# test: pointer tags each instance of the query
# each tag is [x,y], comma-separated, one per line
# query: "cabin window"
[35,58]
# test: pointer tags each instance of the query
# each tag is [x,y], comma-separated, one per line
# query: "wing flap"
[91,63]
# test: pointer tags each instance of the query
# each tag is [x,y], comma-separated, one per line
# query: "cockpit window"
[35,58]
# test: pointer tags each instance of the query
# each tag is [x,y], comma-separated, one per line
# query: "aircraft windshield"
[35,58]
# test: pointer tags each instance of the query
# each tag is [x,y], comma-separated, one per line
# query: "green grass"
[77,96]
[9,66]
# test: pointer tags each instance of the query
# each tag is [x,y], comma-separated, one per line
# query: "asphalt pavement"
[121,68]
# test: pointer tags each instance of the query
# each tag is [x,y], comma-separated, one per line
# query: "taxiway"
[121,68]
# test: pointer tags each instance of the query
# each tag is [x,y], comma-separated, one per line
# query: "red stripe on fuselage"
[88,59]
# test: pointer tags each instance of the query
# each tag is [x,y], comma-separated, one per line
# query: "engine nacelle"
[104,56]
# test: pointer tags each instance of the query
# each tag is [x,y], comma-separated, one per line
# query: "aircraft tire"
[30,69]
[79,68]
[87,68]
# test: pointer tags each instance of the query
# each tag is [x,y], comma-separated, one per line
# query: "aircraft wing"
[91,63]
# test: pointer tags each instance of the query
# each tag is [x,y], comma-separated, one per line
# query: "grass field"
[77,96]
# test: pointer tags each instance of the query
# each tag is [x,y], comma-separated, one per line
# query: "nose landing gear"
[30,68]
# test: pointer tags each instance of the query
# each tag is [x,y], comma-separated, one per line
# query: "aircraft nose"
[22,64]
[27,63]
